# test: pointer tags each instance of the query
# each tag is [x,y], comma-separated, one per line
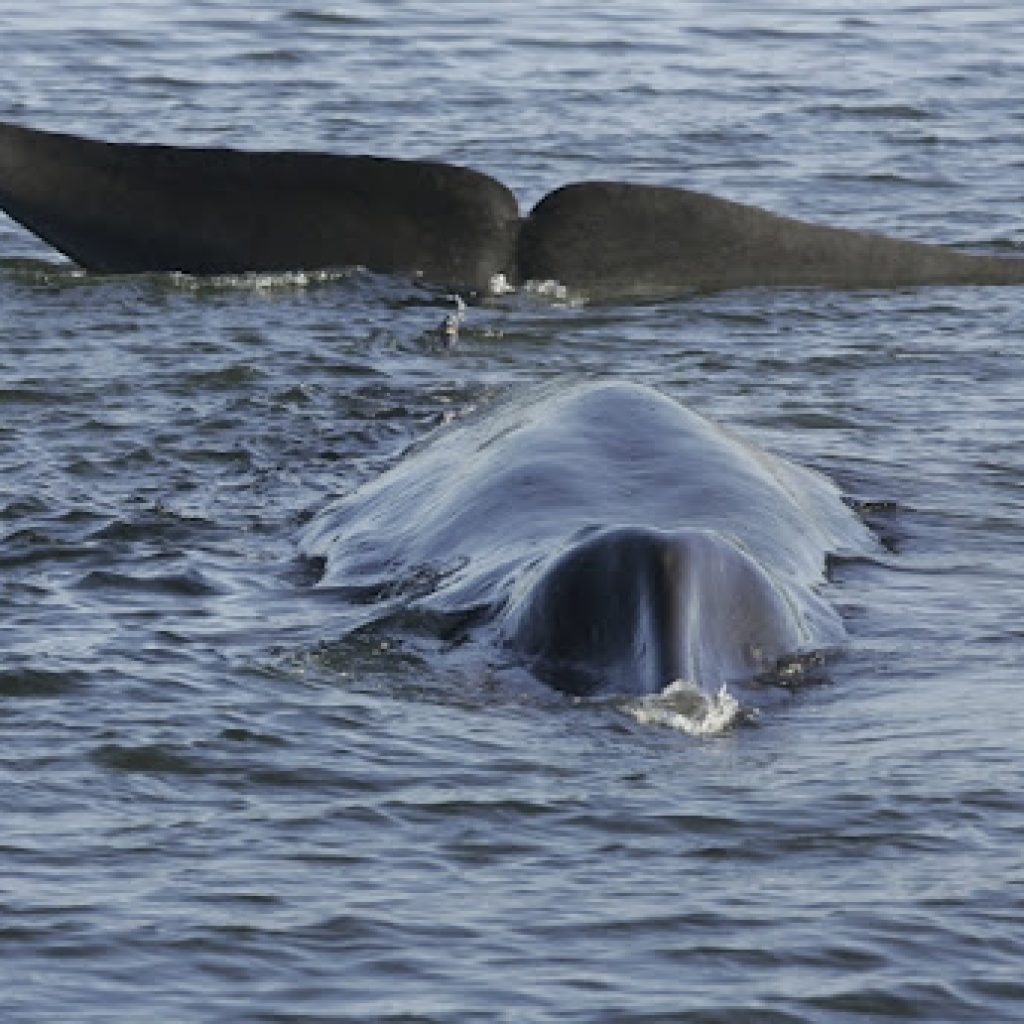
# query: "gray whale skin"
[604,537]
[128,208]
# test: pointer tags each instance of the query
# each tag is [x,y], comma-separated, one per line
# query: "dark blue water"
[220,804]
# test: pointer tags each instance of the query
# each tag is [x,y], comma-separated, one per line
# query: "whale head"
[632,609]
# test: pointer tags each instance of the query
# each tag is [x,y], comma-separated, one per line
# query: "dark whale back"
[589,487]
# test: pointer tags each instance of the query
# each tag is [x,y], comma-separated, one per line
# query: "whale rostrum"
[133,208]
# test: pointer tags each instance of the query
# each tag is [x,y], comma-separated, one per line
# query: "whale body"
[127,208]
[605,537]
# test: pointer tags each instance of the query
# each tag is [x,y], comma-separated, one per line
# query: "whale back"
[485,511]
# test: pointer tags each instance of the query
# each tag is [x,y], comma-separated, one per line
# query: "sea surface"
[222,804]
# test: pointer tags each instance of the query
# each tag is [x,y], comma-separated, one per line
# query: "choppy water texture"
[220,804]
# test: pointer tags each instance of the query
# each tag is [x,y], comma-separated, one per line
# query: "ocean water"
[221,803]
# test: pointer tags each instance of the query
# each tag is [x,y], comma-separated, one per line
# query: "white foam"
[551,290]
[684,706]
[547,290]
[260,281]
[499,285]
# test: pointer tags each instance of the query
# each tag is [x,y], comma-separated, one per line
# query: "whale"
[123,208]
[119,207]
[625,241]
[601,537]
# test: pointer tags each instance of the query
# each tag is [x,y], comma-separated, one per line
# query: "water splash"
[684,706]
[549,289]
[499,285]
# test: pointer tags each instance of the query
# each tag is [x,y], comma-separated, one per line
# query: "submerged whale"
[126,208]
[603,536]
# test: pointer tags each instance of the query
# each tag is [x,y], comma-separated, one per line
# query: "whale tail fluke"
[129,208]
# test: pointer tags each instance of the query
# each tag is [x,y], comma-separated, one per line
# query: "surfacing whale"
[127,208]
[604,537]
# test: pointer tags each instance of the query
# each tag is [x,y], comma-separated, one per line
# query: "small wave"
[279,56]
[30,682]
[882,111]
[260,281]
[687,708]
[224,378]
[31,394]
[886,178]
[317,17]
[185,584]
[149,759]
[156,524]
